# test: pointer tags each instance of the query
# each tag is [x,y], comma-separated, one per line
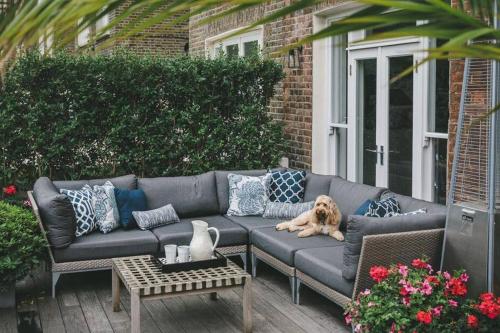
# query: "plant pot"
[8,295]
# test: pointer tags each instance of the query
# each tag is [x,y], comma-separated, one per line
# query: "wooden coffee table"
[144,280]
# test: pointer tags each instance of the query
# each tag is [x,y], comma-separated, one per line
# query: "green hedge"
[71,117]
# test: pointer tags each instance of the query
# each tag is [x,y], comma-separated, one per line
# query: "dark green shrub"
[70,117]
[21,244]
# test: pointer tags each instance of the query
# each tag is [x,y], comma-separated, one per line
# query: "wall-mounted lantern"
[294,57]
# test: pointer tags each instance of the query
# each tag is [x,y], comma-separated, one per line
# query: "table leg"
[247,305]
[115,287]
[135,312]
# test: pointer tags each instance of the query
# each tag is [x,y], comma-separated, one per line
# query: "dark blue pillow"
[287,186]
[129,201]
[363,208]
[383,208]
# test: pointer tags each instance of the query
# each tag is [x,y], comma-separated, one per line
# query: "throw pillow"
[84,211]
[384,208]
[247,195]
[106,211]
[287,186]
[129,201]
[415,212]
[156,218]
[285,210]
[363,208]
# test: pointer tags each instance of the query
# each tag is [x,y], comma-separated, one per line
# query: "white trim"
[223,40]
[101,23]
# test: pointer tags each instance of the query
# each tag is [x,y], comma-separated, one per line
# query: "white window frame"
[213,44]
[83,37]
[102,23]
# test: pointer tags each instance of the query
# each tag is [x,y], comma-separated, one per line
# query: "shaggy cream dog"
[323,218]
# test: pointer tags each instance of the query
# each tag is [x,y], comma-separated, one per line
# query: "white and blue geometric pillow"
[415,212]
[247,195]
[384,208]
[104,203]
[287,186]
[84,211]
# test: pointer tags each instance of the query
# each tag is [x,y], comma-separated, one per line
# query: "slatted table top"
[140,273]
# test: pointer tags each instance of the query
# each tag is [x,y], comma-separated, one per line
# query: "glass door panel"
[400,143]
[367,124]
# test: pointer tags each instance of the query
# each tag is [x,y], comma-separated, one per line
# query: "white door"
[386,116]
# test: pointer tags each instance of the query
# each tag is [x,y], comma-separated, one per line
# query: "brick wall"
[293,102]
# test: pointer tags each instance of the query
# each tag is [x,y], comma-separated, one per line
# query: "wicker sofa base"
[320,288]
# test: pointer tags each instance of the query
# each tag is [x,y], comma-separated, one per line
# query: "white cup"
[170,253]
[183,253]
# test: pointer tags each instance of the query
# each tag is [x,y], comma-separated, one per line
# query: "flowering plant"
[417,299]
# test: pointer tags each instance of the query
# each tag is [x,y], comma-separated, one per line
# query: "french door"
[386,115]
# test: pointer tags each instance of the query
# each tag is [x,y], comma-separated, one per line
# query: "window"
[83,37]
[101,24]
[244,45]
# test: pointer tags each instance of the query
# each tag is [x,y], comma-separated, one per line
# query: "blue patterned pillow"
[81,200]
[384,208]
[247,195]
[287,186]
[285,210]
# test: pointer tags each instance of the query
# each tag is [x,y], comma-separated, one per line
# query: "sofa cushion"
[118,243]
[56,212]
[223,185]
[325,265]
[252,222]
[360,226]
[409,204]
[283,244]
[182,233]
[128,182]
[190,196]
[349,195]
[316,185]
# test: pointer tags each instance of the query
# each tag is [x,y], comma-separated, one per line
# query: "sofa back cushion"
[316,185]
[409,204]
[128,182]
[349,195]
[56,212]
[223,185]
[190,196]
[360,226]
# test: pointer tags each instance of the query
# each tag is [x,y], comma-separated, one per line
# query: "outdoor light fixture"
[294,57]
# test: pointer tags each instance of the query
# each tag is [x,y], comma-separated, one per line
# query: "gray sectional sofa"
[335,269]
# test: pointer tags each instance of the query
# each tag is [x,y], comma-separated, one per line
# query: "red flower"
[456,287]
[486,297]
[472,321]
[10,190]
[379,273]
[419,263]
[424,317]
[489,308]
[432,280]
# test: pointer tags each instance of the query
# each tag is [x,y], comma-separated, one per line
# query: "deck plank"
[119,321]
[71,311]
[206,315]
[95,315]
[165,321]
[8,320]
[180,311]
[50,315]
[148,325]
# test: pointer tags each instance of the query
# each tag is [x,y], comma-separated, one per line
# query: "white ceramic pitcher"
[201,246]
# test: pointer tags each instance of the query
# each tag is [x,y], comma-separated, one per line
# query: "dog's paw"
[337,235]
[293,228]
[281,226]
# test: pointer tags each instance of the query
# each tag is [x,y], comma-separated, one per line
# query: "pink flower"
[452,303]
[406,301]
[447,275]
[348,319]
[371,304]
[403,270]
[407,289]
[357,328]
[366,292]
[464,277]
[436,312]
[426,288]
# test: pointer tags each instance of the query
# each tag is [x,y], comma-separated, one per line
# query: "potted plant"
[417,299]
[21,248]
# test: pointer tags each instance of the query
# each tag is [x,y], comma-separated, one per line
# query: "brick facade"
[293,102]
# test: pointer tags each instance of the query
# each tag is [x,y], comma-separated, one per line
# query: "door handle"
[378,151]
[372,150]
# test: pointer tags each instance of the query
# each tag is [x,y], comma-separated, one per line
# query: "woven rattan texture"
[272,261]
[143,274]
[328,292]
[387,249]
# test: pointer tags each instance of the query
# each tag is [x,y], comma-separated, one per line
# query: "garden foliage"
[81,116]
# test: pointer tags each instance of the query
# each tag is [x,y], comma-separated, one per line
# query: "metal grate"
[470,183]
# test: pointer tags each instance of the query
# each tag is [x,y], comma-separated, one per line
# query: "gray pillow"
[359,226]
[156,218]
[56,212]
[247,195]
[285,210]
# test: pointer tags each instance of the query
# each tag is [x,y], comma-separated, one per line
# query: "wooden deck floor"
[83,304]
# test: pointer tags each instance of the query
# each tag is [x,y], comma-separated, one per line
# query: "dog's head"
[324,207]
